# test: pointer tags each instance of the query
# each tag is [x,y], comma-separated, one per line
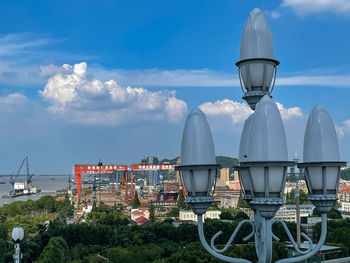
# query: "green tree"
[193,252]
[3,232]
[56,251]
[181,200]
[332,214]
[152,216]
[242,203]
[136,201]
[226,214]
[174,212]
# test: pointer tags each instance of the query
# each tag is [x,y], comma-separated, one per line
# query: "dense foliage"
[32,215]
[345,174]
[338,232]
[109,235]
[303,197]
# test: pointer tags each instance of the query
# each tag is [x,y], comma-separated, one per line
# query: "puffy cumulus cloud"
[13,101]
[307,7]
[78,97]
[238,112]
[343,129]
[289,113]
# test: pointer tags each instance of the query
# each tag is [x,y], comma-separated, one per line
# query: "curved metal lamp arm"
[210,250]
[232,236]
[315,249]
[292,239]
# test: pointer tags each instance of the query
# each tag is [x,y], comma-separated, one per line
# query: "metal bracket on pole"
[210,250]
[314,250]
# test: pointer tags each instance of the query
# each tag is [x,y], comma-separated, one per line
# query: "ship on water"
[25,188]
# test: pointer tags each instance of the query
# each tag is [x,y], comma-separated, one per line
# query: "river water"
[44,183]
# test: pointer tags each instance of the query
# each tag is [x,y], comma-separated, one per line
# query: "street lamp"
[17,237]
[263,154]
[257,67]
[321,160]
[198,165]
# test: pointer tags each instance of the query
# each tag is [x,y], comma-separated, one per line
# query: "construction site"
[116,184]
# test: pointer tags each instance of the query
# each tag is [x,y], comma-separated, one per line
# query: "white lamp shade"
[267,143]
[243,144]
[17,234]
[197,148]
[321,145]
[243,153]
[256,43]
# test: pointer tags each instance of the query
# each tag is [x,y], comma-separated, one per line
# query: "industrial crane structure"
[25,188]
[13,177]
[29,176]
[125,175]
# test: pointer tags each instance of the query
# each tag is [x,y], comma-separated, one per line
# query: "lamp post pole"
[17,255]
[297,199]
[17,236]
[100,174]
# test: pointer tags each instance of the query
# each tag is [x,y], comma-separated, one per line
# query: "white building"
[345,206]
[288,212]
[189,215]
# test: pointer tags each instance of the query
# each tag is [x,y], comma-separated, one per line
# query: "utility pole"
[100,167]
[94,189]
[297,199]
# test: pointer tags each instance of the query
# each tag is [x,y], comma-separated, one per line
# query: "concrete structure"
[234,185]
[235,176]
[224,175]
[288,212]
[189,215]
[229,201]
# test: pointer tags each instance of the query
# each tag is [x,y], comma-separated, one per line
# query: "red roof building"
[141,220]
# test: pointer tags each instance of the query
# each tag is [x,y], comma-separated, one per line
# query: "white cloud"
[307,7]
[13,102]
[239,112]
[289,113]
[78,97]
[274,14]
[21,43]
[212,78]
[343,129]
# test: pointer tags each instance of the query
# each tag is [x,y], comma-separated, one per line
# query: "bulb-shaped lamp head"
[257,63]
[267,143]
[17,234]
[197,148]
[321,146]
[256,39]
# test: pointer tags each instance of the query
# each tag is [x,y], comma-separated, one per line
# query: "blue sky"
[82,80]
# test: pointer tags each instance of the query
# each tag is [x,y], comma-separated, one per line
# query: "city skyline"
[83,81]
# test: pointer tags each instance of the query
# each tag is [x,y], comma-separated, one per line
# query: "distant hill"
[225,161]
[345,174]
